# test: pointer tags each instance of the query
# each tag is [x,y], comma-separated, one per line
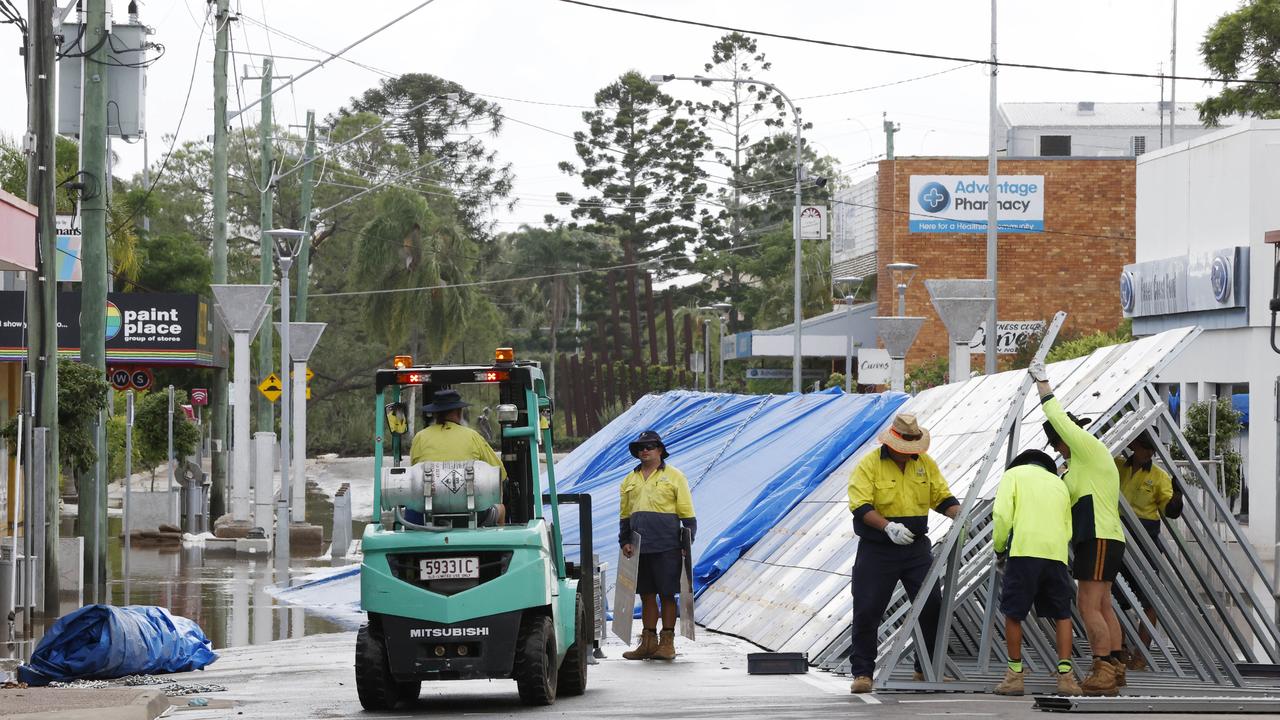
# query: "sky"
[543,60]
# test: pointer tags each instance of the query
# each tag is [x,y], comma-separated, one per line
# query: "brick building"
[1072,264]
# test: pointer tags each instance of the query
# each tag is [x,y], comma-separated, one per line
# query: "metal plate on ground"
[1180,705]
[624,591]
[687,624]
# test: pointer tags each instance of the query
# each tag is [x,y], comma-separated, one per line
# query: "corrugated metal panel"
[790,592]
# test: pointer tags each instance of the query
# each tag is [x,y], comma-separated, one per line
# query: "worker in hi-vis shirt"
[891,492]
[1097,537]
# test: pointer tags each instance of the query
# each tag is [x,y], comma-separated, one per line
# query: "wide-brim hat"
[905,435]
[444,400]
[648,436]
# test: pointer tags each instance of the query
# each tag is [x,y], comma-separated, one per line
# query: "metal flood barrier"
[790,592]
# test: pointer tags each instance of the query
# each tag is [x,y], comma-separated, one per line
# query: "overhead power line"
[924,55]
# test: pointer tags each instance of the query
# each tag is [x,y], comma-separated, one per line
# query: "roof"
[835,322]
[1068,114]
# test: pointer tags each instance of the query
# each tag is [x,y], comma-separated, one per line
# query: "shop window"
[1055,145]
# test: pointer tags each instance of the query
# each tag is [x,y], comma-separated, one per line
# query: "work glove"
[1001,559]
[1038,372]
[899,533]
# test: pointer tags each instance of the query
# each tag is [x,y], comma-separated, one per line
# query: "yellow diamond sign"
[270,387]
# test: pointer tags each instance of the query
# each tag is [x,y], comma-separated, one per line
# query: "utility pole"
[992,324]
[889,129]
[1173,77]
[304,255]
[93,287]
[266,276]
[42,298]
[218,433]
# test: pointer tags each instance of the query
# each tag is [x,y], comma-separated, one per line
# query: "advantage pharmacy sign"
[958,204]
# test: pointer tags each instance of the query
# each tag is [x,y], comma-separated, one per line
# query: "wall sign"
[873,366]
[958,204]
[1211,280]
[1011,335]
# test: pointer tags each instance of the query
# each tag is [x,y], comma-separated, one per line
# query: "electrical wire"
[923,55]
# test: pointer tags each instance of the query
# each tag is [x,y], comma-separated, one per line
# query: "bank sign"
[958,204]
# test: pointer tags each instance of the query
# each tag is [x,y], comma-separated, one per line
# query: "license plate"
[453,568]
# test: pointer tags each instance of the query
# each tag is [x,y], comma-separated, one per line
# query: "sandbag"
[101,642]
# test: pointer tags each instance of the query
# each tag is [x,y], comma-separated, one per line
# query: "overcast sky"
[535,57]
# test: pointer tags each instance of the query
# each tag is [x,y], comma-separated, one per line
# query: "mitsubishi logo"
[453,480]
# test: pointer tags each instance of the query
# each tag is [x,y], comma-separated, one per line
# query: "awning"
[17,233]
[825,335]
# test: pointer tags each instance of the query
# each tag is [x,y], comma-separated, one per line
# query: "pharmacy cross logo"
[453,481]
[934,197]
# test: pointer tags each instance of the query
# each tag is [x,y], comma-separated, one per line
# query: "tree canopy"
[1244,44]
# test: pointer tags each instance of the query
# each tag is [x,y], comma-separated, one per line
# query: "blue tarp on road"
[749,460]
[100,642]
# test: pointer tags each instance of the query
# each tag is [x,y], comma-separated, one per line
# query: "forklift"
[448,598]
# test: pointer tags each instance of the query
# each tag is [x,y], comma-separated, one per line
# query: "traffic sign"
[270,387]
[199,396]
[308,392]
[119,378]
[140,378]
[310,374]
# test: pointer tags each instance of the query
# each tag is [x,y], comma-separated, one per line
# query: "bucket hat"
[905,435]
[444,400]
[648,436]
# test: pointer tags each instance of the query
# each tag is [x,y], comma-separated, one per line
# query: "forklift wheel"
[374,684]
[572,678]
[535,662]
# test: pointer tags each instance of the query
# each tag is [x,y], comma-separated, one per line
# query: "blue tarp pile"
[749,460]
[100,642]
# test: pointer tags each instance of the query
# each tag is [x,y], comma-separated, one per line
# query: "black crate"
[777,663]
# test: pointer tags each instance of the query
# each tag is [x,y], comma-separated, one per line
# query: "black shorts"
[1097,559]
[659,573]
[1039,581]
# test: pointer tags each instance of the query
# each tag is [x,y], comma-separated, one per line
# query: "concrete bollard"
[264,470]
[340,534]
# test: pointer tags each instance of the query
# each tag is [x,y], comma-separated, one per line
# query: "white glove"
[1038,372]
[899,533]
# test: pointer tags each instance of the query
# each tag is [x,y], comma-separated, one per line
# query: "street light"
[288,243]
[902,273]
[795,218]
[720,309]
[848,314]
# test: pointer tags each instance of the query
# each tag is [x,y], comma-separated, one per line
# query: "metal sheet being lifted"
[790,592]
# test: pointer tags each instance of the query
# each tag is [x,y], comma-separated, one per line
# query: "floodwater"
[226,596]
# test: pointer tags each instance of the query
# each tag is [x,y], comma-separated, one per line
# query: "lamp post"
[795,216]
[287,243]
[902,273]
[848,316]
[706,353]
[720,309]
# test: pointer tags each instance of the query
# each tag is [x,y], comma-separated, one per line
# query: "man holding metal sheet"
[891,492]
[1032,533]
[1097,536]
[1151,494]
[656,505]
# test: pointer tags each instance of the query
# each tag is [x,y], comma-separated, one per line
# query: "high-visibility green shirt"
[901,495]
[1091,479]
[1034,506]
[656,507]
[444,442]
[1148,489]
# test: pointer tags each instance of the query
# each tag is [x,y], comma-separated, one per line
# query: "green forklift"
[448,598]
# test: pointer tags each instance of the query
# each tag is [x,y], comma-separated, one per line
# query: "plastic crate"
[777,663]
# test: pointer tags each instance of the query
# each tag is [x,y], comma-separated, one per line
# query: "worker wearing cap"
[655,504]
[447,439]
[1032,518]
[1097,537]
[1149,490]
[891,492]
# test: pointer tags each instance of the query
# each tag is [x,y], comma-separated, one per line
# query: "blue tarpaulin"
[1239,402]
[100,642]
[749,460]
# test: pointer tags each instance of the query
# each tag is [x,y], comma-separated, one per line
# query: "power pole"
[218,433]
[42,298]
[93,287]
[266,275]
[304,255]
[889,129]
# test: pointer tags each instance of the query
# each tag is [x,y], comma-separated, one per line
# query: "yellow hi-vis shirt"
[1148,489]
[904,496]
[655,507]
[449,442]
[1091,478]
[1034,506]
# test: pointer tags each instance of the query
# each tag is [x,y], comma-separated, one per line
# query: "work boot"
[1067,684]
[861,684]
[643,651]
[1012,683]
[1137,662]
[918,676]
[1101,680]
[666,649]
[1119,668]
